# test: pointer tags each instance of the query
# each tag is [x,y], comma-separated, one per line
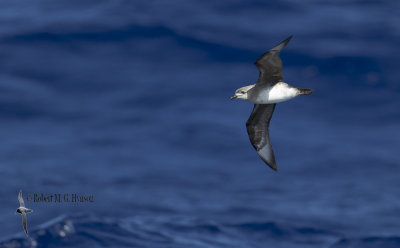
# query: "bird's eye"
[242,92]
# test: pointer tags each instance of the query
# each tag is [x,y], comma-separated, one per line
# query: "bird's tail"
[305,91]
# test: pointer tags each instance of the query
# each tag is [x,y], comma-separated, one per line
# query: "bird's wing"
[20,199]
[270,65]
[257,128]
[24,223]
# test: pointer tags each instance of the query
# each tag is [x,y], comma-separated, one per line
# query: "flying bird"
[23,211]
[269,90]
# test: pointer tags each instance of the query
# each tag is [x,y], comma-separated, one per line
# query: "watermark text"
[59,198]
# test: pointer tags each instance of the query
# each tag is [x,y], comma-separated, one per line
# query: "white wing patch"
[20,199]
[24,223]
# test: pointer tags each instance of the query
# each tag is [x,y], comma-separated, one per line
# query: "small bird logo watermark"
[23,211]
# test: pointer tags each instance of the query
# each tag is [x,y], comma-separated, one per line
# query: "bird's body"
[278,93]
[269,90]
[23,211]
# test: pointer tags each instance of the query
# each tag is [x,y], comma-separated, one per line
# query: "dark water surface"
[128,101]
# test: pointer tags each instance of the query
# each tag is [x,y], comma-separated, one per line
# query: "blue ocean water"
[128,101]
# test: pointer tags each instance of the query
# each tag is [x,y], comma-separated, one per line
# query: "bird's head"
[241,93]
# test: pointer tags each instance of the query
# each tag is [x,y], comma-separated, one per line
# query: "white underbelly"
[279,93]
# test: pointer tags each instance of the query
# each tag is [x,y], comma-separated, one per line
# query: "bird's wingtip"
[271,164]
[282,44]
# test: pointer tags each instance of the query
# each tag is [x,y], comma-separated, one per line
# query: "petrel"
[23,211]
[269,90]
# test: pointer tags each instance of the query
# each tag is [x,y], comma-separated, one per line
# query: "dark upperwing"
[270,65]
[257,128]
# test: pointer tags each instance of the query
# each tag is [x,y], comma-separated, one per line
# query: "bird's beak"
[233,97]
